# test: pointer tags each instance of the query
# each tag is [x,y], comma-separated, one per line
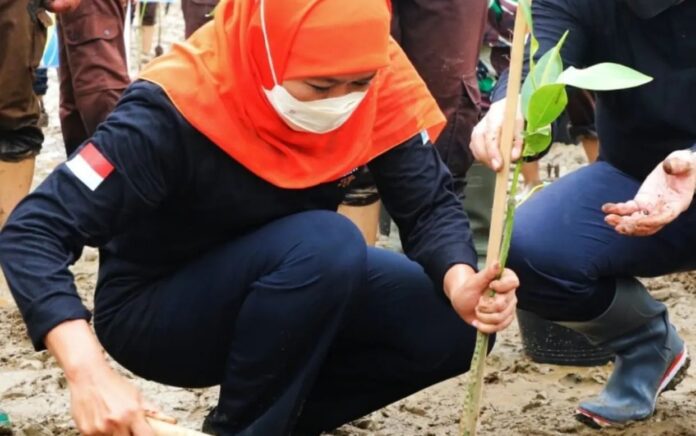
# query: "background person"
[93,71]
[579,244]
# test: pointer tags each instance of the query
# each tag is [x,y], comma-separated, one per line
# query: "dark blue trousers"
[301,325]
[568,258]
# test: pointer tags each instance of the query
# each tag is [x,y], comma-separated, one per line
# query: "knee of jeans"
[548,273]
[333,250]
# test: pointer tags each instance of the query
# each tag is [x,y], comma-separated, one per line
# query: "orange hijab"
[215,80]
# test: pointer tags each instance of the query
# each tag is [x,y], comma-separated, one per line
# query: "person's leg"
[402,336]
[366,218]
[40,88]
[564,253]
[72,129]
[15,181]
[591,146]
[257,315]
[22,37]
[478,204]
[148,27]
[581,114]
[530,174]
[96,57]
[361,204]
[196,14]
[442,38]
[576,270]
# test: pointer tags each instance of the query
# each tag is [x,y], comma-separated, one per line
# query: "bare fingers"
[507,282]
[495,322]
[494,313]
[626,208]
[642,224]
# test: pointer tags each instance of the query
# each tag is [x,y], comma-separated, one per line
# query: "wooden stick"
[162,428]
[472,402]
[507,137]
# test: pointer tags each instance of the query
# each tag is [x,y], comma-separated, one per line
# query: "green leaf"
[544,72]
[534,48]
[536,142]
[528,89]
[603,77]
[550,68]
[527,11]
[545,105]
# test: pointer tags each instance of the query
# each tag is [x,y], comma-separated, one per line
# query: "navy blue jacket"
[637,127]
[174,195]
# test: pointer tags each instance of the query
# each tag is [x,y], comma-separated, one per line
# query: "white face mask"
[318,116]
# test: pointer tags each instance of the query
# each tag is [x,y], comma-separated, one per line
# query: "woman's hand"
[663,196]
[485,138]
[103,403]
[469,293]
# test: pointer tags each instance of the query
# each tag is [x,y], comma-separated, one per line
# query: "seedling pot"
[547,342]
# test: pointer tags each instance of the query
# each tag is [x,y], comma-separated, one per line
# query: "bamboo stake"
[472,398]
[162,428]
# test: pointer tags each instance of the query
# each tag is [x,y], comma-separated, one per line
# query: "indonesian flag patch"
[90,166]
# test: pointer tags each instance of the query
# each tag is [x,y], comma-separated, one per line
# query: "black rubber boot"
[212,422]
[650,356]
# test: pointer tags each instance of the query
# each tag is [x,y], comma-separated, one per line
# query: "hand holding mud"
[470,297]
[665,194]
[485,138]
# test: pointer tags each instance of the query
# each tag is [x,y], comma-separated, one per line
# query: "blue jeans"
[567,257]
[300,323]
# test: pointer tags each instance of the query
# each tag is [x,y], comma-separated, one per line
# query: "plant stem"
[510,215]
[472,393]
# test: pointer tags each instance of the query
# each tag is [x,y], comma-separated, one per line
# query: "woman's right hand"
[103,402]
[485,138]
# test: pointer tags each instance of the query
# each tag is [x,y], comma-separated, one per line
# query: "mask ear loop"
[266,43]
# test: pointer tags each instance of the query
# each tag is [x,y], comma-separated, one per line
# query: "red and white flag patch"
[90,166]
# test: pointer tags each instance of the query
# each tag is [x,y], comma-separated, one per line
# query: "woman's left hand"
[472,299]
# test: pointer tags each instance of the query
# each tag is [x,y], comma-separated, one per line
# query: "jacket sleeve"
[552,18]
[128,169]
[416,188]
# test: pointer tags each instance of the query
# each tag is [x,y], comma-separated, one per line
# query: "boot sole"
[674,375]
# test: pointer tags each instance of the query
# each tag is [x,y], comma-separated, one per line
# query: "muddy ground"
[521,397]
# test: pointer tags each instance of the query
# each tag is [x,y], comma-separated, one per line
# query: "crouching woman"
[211,193]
